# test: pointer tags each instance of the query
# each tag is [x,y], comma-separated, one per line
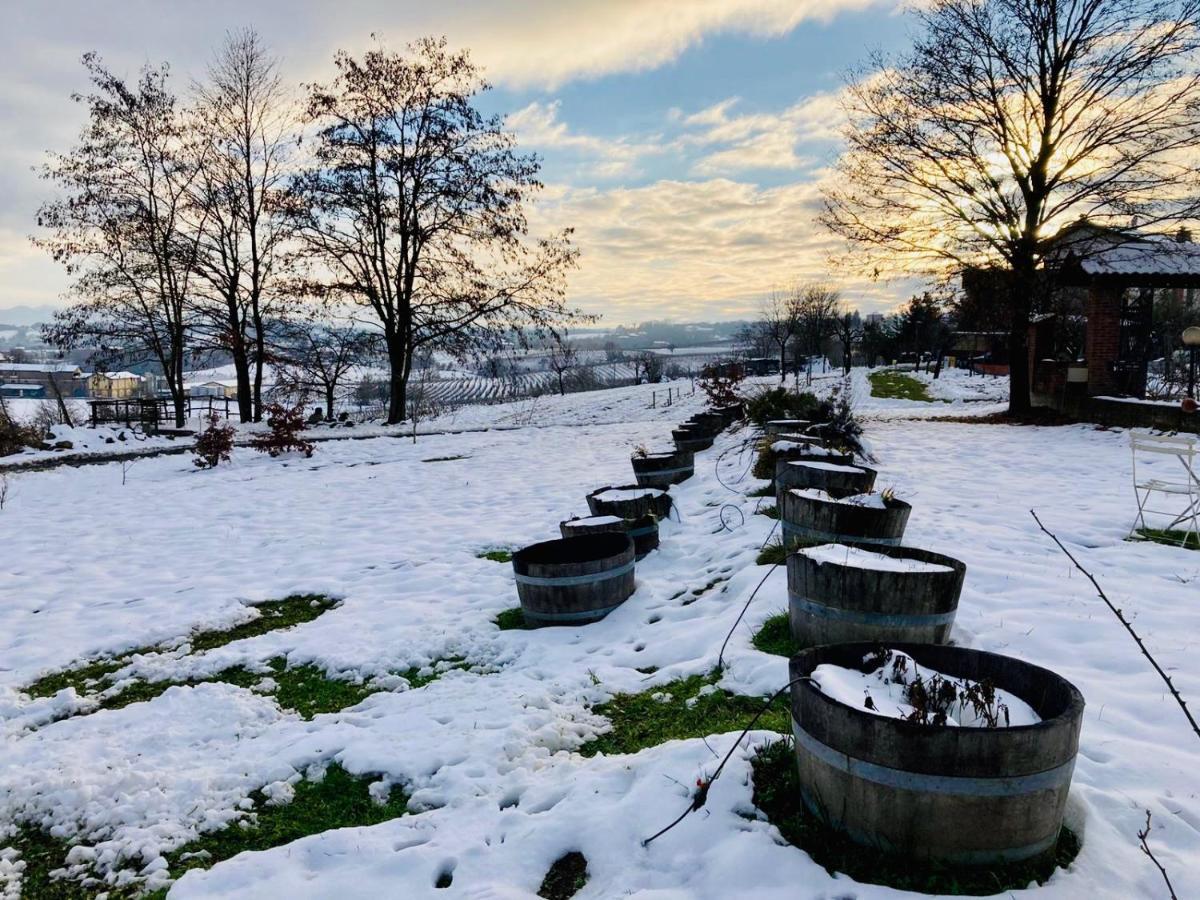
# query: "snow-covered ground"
[93,565]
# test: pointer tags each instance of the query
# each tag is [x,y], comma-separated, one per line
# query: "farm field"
[482,739]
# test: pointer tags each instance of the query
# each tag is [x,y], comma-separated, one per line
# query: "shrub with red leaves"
[720,383]
[214,444]
[285,424]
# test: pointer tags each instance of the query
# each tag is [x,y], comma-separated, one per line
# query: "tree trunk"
[241,368]
[783,363]
[1020,300]
[329,389]
[400,368]
[260,353]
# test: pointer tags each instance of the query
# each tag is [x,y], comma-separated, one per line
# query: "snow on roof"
[38,367]
[119,375]
[1147,256]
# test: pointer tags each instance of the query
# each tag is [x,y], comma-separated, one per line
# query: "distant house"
[16,390]
[219,388]
[761,365]
[114,385]
[38,379]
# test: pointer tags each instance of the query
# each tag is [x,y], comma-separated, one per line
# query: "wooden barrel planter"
[812,516]
[778,450]
[575,580]
[643,530]
[661,470]
[869,592]
[784,426]
[730,413]
[837,478]
[629,501]
[938,793]
[692,439]
[712,422]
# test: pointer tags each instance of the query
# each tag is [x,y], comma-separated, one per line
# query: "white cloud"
[695,249]
[546,43]
[538,127]
[762,140]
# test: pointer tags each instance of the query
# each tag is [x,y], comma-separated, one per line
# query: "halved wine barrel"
[871,592]
[811,516]
[838,479]
[643,530]
[798,439]
[661,470]
[711,422]
[781,426]
[691,439]
[938,793]
[629,501]
[730,413]
[775,449]
[575,580]
[785,478]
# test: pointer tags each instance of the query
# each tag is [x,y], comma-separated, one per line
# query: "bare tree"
[647,366]
[1008,120]
[562,359]
[816,310]
[122,227]
[848,330]
[751,341]
[779,322]
[416,208]
[246,121]
[316,356]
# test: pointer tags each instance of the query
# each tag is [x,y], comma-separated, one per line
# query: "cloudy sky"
[684,139]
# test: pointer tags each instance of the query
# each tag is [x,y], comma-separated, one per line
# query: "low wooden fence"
[150,412]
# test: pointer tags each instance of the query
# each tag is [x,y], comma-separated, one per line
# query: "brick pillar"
[1103,341]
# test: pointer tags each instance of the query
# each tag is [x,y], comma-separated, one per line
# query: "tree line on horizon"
[376,212]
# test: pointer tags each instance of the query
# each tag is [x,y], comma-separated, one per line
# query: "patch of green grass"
[43,854]
[775,636]
[766,490]
[685,708]
[565,878]
[446,458]
[777,794]
[774,554]
[771,511]
[697,593]
[1171,538]
[340,800]
[895,385]
[305,689]
[500,556]
[510,619]
[274,615]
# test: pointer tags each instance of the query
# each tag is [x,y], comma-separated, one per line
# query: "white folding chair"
[1155,481]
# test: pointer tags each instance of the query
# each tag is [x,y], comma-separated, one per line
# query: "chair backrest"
[1182,448]
[1171,445]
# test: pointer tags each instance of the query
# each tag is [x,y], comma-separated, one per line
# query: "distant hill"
[26,315]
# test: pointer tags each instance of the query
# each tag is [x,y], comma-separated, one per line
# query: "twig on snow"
[703,784]
[1128,627]
[738,621]
[1142,836]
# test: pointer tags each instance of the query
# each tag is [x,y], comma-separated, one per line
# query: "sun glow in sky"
[685,140]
